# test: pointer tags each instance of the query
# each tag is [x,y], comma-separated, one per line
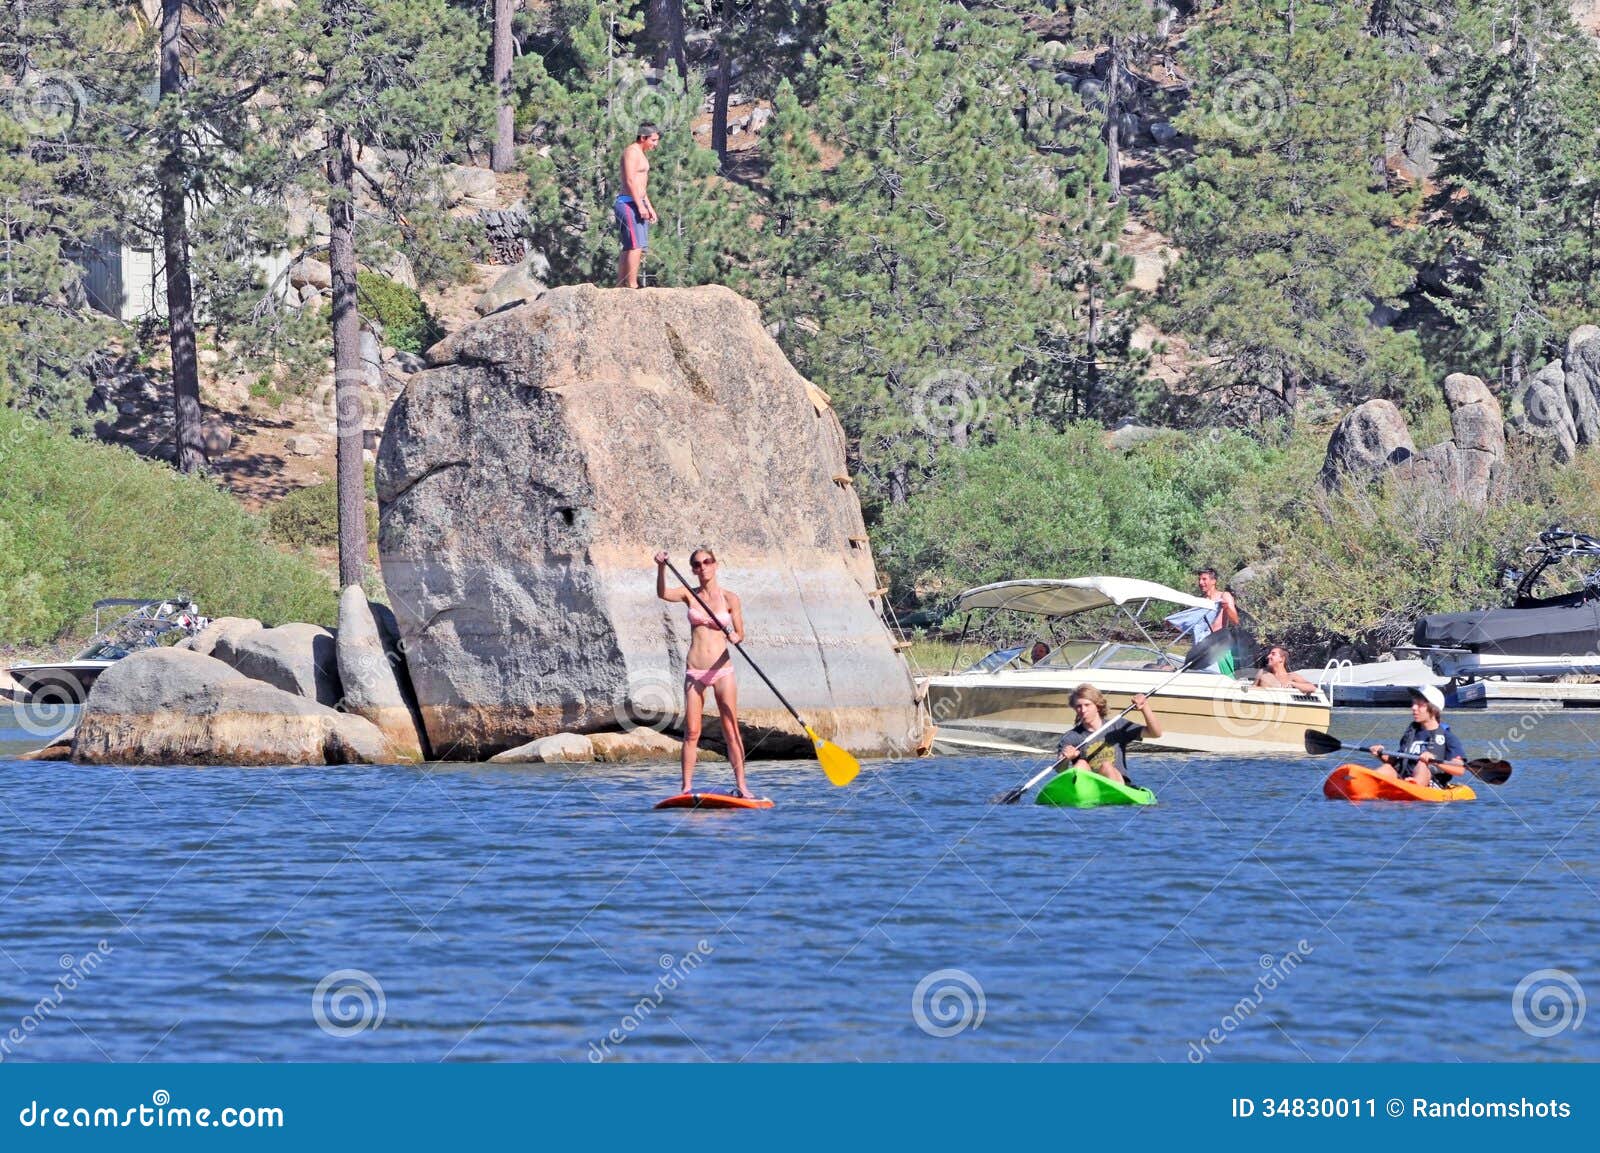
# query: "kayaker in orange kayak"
[709,664]
[1105,756]
[1439,751]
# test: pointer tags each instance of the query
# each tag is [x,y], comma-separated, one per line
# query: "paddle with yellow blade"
[839,765]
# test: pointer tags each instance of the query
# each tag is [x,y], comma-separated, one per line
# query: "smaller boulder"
[168,706]
[297,658]
[315,273]
[516,285]
[1370,438]
[205,641]
[369,679]
[1581,336]
[558,748]
[306,445]
[640,746]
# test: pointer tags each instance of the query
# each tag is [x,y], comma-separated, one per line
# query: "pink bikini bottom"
[705,678]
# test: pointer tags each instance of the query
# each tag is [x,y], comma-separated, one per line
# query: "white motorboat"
[1004,703]
[149,623]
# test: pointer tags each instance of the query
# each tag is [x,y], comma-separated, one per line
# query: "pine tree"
[1520,183]
[74,76]
[1128,30]
[1289,232]
[401,75]
[932,293]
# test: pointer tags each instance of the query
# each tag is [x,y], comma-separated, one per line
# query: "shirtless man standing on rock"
[635,214]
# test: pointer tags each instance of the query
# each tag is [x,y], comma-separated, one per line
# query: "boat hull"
[65,683]
[1027,711]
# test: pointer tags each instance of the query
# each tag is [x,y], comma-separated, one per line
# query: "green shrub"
[1361,565]
[407,324]
[310,517]
[82,521]
[1036,502]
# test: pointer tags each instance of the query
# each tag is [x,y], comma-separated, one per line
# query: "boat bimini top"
[1065,598]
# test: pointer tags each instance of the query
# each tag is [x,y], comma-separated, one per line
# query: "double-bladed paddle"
[840,767]
[1488,771]
[1203,653]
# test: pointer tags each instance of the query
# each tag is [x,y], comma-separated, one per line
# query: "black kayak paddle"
[1203,653]
[1488,771]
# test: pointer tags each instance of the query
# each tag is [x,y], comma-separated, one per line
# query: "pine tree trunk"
[188,451]
[502,156]
[719,104]
[664,28]
[347,370]
[1113,110]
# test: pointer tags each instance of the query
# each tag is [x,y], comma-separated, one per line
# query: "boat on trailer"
[1003,704]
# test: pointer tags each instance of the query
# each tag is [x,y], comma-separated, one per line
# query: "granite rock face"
[1373,441]
[528,476]
[297,658]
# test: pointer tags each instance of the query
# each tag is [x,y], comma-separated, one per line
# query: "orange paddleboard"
[713,801]
[1356,783]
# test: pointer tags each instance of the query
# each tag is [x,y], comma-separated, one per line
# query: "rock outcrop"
[1560,402]
[173,706]
[1372,440]
[525,480]
[370,673]
[297,658]
[556,749]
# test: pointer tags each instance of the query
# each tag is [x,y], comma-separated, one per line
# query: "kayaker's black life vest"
[1441,742]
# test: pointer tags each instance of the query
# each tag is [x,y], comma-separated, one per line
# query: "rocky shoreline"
[524,480]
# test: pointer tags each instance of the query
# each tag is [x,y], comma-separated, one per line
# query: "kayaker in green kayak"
[1440,753]
[1105,756]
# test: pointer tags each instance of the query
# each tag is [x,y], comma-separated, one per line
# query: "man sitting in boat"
[1278,675]
[1105,755]
[1439,751]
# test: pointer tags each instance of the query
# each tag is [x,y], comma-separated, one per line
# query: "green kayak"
[1081,789]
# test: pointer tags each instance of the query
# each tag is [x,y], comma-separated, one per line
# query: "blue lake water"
[540,913]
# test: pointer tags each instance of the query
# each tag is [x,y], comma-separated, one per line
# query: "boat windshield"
[1121,656]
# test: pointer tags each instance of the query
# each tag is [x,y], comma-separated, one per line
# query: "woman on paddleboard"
[710,664]
[1105,755]
[1439,752]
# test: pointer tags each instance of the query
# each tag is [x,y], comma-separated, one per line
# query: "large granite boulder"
[525,480]
[370,673]
[172,706]
[297,658]
[1370,438]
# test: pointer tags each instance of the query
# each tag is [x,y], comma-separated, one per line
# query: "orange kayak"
[1357,783]
[713,801]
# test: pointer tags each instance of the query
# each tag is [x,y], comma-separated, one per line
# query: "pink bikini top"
[698,619]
